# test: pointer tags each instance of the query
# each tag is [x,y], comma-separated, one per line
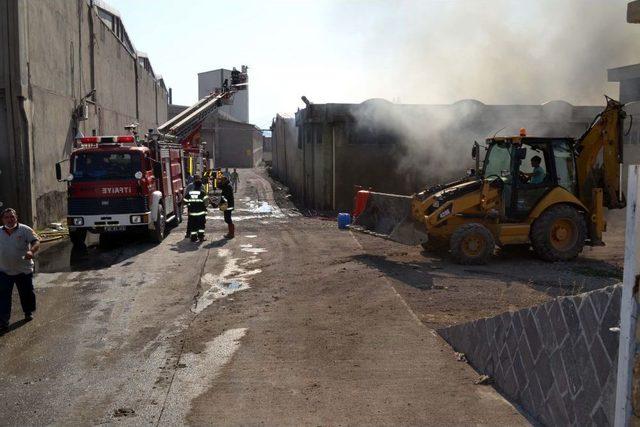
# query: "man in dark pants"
[196,200]
[226,206]
[18,244]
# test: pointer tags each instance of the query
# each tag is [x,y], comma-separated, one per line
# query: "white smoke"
[499,52]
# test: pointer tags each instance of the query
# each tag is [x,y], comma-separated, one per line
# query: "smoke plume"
[497,52]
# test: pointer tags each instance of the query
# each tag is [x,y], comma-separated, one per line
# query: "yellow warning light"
[523,132]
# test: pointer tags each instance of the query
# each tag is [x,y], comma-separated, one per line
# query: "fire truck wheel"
[179,214]
[77,237]
[157,234]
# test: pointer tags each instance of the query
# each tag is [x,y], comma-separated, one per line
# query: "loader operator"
[196,200]
[538,175]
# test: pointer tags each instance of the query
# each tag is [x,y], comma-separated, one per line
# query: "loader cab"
[528,168]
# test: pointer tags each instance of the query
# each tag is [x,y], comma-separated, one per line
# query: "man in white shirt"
[18,245]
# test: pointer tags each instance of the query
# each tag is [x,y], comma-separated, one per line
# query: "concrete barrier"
[557,360]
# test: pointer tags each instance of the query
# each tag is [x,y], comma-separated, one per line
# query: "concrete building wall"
[231,143]
[50,67]
[211,80]
[237,145]
[287,154]
[267,150]
[403,148]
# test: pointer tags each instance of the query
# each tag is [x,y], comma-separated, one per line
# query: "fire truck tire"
[179,214]
[559,233]
[157,234]
[77,237]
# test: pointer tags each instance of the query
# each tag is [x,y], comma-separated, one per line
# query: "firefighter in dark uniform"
[206,177]
[196,200]
[226,205]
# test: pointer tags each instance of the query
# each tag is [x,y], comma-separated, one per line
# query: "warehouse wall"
[287,154]
[238,145]
[402,148]
[53,72]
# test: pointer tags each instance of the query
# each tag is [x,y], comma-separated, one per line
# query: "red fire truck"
[124,183]
[117,183]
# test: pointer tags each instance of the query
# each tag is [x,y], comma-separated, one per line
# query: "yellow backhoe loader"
[549,193]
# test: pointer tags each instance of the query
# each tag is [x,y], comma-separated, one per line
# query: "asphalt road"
[288,324]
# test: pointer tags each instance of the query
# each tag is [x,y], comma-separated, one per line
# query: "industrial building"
[628,76]
[209,81]
[232,142]
[330,150]
[267,151]
[67,68]
[286,154]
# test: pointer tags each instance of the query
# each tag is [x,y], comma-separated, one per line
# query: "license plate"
[115,228]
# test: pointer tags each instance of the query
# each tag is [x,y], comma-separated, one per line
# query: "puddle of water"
[219,287]
[197,372]
[254,250]
[232,286]
[260,207]
[239,218]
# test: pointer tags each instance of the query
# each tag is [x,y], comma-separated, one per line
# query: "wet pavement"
[279,326]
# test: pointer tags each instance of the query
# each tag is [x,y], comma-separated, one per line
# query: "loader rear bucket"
[387,216]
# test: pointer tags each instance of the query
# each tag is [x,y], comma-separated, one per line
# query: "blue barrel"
[344,219]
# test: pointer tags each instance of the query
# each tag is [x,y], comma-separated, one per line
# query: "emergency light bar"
[95,141]
[106,139]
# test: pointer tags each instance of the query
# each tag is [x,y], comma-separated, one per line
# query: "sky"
[420,51]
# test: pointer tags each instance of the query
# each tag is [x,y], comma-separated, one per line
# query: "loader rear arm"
[603,136]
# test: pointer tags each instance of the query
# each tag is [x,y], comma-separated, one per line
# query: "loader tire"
[559,233]
[472,244]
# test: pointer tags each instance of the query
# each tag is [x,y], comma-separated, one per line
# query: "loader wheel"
[472,244]
[559,233]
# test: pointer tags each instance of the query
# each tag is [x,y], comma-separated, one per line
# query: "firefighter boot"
[193,236]
[231,233]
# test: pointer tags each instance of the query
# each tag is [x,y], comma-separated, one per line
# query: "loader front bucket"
[388,216]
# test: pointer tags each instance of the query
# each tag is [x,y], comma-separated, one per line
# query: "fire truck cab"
[117,183]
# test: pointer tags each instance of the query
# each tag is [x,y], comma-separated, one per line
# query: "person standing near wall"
[235,179]
[18,245]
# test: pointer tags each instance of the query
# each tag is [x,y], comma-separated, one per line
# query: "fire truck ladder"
[185,123]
